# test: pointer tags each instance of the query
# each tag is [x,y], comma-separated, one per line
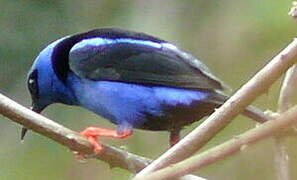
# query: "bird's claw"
[94,133]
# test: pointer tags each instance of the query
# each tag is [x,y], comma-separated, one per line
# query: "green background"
[234,38]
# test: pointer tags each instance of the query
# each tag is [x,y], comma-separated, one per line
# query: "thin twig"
[113,156]
[288,90]
[293,11]
[285,101]
[226,149]
[221,117]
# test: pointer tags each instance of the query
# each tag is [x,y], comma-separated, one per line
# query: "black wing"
[139,61]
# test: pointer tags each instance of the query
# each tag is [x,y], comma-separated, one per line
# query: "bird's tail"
[251,111]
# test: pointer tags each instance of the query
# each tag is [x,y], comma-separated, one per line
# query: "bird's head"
[41,79]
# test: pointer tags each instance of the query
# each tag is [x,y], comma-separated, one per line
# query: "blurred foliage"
[235,39]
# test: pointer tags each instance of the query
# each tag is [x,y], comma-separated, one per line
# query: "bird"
[132,79]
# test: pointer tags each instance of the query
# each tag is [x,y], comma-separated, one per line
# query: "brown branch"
[288,90]
[284,103]
[221,117]
[281,158]
[228,148]
[113,156]
[71,139]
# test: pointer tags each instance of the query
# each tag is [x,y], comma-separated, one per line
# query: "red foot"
[93,134]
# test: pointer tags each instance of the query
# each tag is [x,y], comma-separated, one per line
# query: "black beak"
[23,133]
[24,129]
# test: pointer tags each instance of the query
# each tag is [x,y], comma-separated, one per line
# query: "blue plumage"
[128,104]
[95,42]
[132,79]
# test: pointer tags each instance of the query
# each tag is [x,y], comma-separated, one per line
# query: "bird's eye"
[33,84]
[31,81]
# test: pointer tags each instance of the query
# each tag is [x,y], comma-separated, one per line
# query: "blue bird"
[132,79]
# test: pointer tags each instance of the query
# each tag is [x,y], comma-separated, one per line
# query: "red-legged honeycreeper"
[132,79]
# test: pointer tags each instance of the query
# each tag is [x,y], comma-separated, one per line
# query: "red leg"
[174,137]
[93,134]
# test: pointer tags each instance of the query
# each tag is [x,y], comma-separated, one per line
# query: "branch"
[71,139]
[284,103]
[259,84]
[288,90]
[228,148]
[281,159]
[113,156]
